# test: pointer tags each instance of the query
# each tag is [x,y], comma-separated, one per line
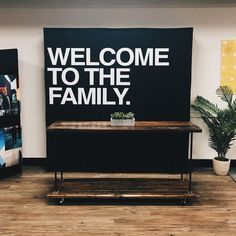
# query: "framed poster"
[228,64]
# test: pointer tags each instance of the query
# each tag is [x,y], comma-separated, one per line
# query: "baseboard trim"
[34,161]
[43,162]
[233,163]
[208,163]
[202,163]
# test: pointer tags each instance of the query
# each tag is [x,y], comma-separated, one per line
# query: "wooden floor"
[25,209]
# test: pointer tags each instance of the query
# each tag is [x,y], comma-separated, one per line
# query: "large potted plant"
[221,123]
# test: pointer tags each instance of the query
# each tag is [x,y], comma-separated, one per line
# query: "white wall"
[22,28]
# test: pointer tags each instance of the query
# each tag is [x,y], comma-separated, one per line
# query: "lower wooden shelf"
[114,188]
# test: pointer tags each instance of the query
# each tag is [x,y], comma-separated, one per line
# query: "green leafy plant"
[221,122]
[122,115]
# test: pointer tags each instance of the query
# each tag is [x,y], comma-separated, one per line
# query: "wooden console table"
[124,187]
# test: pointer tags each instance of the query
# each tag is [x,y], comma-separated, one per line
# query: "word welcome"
[108,57]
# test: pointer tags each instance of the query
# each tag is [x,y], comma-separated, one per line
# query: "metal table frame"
[104,126]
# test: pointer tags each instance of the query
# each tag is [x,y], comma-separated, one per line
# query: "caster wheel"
[61,201]
[183,202]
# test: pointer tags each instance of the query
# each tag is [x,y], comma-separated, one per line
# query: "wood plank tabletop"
[158,126]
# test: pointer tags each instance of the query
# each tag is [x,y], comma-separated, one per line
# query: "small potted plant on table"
[122,119]
[221,125]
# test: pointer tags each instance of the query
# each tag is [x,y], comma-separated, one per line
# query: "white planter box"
[126,122]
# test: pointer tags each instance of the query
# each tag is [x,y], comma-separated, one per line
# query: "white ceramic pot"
[221,167]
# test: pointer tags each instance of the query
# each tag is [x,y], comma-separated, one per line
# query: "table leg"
[54,163]
[55,182]
[190,164]
[181,177]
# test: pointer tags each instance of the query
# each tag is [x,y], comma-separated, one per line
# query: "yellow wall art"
[228,64]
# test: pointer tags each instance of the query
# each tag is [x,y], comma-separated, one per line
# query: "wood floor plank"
[26,211]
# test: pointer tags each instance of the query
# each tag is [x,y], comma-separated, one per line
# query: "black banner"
[91,73]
